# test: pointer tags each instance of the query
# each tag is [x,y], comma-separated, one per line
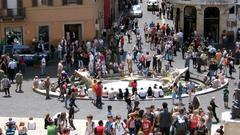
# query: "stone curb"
[202,92]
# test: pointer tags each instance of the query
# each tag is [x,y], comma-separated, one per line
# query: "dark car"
[25,51]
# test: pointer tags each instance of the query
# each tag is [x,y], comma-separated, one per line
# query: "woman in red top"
[194,120]
[146,126]
[134,86]
[99,130]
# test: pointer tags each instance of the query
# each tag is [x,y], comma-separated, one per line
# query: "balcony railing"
[16,13]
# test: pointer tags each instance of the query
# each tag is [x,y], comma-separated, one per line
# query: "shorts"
[225,99]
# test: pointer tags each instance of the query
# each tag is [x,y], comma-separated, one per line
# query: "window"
[36,3]
[43,35]
[68,2]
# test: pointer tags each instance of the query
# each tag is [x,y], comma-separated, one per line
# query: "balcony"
[204,2]
[9,14]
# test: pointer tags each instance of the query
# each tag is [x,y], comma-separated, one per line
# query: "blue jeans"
[99,102]
[43,70]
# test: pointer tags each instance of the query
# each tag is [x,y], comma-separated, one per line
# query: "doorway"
[190,16]
[211,24]
[73,32]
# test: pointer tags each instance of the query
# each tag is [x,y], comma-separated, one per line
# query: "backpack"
[181,124]
[142,59]
[109,128]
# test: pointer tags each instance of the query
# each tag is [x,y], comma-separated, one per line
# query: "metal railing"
[12,13]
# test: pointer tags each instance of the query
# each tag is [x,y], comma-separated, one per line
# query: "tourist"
[134,85]
[201,129]
[51,129]
[94,87]
[43,66]
[213,105]
[68,95]
[71,116]
[99,130]
[181,123]
[1,77]
[119,127]
[35,82]
[59,68]
[62,122]
[131,125]
[19,81]
[31,125]
[109,110]
[129,58]
[6,85]
[109,125]
[90,126]
[190,90]
[209,119]
[22,129]
[220,130]
[193,120]
[99,92]
[12,67]
[47,84]
[180,90]
[165,119]
[173,89]
[225,97]
[47,120]
[146,125]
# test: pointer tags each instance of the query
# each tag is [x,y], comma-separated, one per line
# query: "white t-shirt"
[120,128]
[31,125]
[43,62]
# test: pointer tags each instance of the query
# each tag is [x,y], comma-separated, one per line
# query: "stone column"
[181,19]
[200,20]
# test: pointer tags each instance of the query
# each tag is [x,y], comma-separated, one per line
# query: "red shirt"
[134,85]
[99,90]
[146,127]
[99,130]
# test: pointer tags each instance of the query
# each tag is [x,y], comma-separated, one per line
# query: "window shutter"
[4,4]
[34,3]
[64,2]
[50,2]
[19,4]
[80,2]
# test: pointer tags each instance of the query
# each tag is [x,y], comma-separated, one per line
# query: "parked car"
[25,51]
[136,11]
[151,3]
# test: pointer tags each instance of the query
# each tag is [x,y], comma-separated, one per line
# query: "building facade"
[215,19]
[50,20]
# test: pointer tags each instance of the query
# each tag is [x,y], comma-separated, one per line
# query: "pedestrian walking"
[12,66]
[47,84]
[225,97]
[1,77]
[165,119]
[6,85]
[43,66]
[214,106]
[19,81]
[99,95]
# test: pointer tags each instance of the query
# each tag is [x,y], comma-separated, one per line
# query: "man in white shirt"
[129,62]
[119,127]
[43,66]
[12,66]
[60,68]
